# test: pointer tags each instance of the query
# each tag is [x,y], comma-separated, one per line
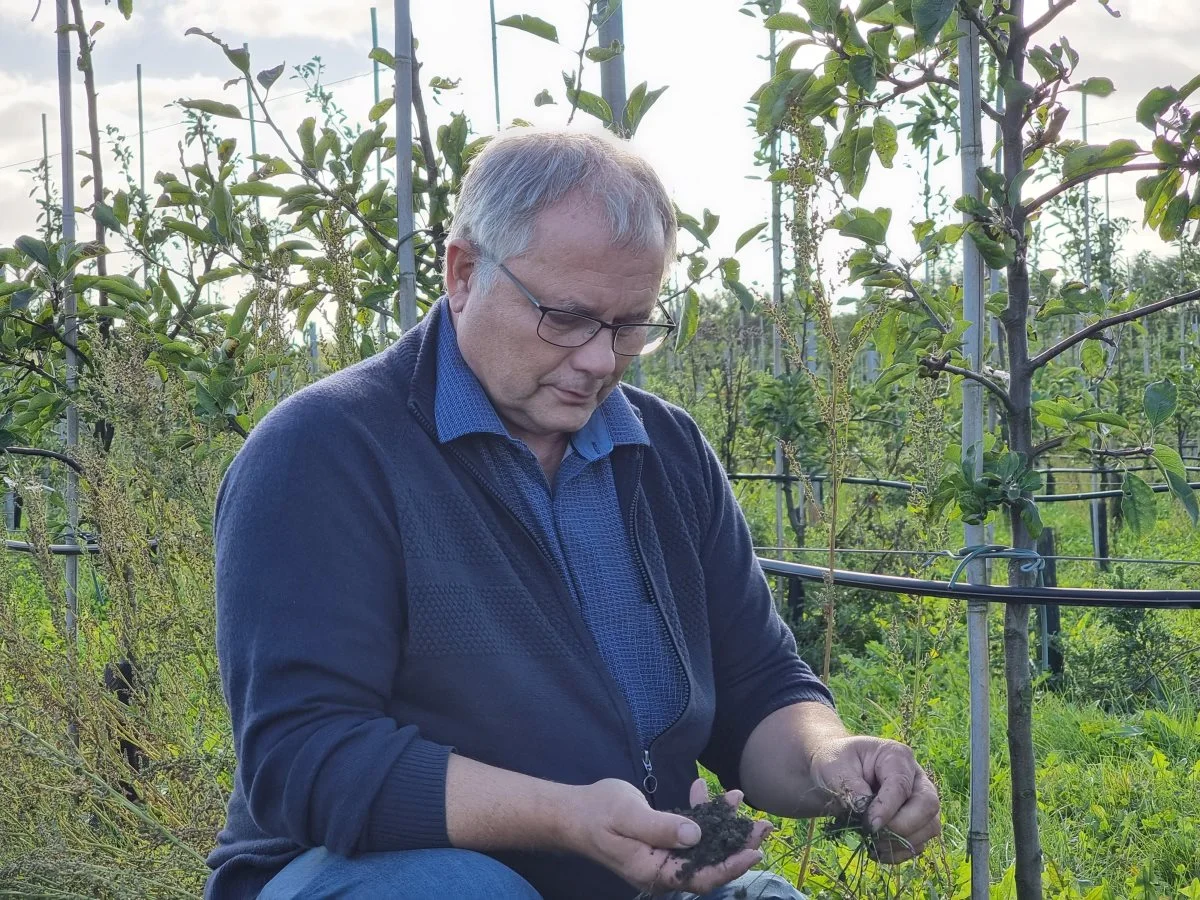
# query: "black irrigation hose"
[896,584]
[908,486]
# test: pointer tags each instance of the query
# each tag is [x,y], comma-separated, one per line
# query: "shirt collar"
[462,407]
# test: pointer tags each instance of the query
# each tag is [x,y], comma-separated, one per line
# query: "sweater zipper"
[650,781]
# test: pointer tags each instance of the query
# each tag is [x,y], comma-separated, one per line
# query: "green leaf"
[306,134]
[121,287]
[850,158]
[104,214]
[1139,508]
[256,189]
[363,146]
[604,54]
[863,224]
[822,13]
[998,254]
[1093,359]
[639,103]
[213,108]
[188,229]
[930,16]
[862,73]
[35,249]
[533,25]
[237,320]
[744,296]
[747,236]
[544,98]
[126,8]
[688,321]
[1169,461]
[1183,492]
[883,135]
[222,211]
[1154,104]
[1158,401]
[268,77]
[1094,156]
[240,57]
[382,56]
[1094,87]
[787,22]
[380,109]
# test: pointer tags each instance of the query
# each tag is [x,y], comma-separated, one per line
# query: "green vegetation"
[113,730]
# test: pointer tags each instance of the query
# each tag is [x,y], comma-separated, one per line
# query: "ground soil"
[722,833]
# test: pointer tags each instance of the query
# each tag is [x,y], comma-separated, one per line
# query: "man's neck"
[549,450]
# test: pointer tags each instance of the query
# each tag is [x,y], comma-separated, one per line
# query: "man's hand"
[905,805]
[612,824]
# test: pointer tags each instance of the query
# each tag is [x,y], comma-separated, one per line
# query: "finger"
[896,772]
[698,793]
[712,877]
[734,798]
[666,831]
[920,810]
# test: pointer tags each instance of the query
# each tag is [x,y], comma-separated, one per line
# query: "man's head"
[571,221]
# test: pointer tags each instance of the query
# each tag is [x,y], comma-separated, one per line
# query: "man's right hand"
[611,823]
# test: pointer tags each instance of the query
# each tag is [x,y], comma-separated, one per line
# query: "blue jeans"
[460,874]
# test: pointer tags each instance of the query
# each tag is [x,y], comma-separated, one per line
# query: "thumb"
[665,831]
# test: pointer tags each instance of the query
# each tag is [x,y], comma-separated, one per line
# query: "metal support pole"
[141,138]
[46,173]
[250,117]
[495,63]
[66,61]
[612,71]
[777,300]
[972,442]
[382,321]
[375,74]
[406,262]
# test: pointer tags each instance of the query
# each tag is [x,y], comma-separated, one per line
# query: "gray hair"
[525,171]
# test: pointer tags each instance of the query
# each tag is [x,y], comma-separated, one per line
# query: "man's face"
[538,389]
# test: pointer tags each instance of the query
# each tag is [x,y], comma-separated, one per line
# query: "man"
[482,607]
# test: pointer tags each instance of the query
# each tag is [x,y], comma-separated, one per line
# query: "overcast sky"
[697,135]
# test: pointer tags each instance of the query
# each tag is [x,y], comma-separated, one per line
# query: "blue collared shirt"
[579,519]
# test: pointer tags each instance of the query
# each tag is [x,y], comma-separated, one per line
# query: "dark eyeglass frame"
[670,325]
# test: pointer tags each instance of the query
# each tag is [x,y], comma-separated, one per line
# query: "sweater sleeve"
[755,663]
[310,613]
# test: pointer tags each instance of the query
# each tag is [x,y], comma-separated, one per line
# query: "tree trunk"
[1018,677]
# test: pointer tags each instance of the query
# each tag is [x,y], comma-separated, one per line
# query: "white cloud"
[238,20]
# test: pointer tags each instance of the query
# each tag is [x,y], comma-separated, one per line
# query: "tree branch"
[941,364]
[437,229]
[1095,328]
[1049,16]
[985,31]
[587,34]
[1038,202]
[1046,446]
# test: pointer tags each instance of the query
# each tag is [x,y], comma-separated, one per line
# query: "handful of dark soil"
[722,833]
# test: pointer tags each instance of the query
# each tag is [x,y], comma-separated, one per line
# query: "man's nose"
[596,357]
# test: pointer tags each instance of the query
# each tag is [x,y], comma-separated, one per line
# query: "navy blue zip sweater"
[378,605]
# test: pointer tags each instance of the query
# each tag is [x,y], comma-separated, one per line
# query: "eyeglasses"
[568,329]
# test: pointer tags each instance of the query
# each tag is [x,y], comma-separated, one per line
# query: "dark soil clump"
[722,833]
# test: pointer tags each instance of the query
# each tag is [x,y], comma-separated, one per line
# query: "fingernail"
[758,857]
[689,833]
[876,823]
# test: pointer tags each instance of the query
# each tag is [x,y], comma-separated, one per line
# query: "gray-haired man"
[530,605]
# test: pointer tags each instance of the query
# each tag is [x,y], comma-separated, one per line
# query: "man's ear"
[460,265]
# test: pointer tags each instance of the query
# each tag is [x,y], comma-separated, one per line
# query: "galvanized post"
[777,301]
[141,140]
[612,71]
[972,442]
[250,117]
[405,259]
[383,316]
[495,63]
[66,63]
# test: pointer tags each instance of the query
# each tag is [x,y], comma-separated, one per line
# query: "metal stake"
[972,441]
[406,262]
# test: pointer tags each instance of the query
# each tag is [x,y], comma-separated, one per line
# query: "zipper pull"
[649,783]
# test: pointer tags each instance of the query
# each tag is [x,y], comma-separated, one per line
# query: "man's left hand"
[905,810]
